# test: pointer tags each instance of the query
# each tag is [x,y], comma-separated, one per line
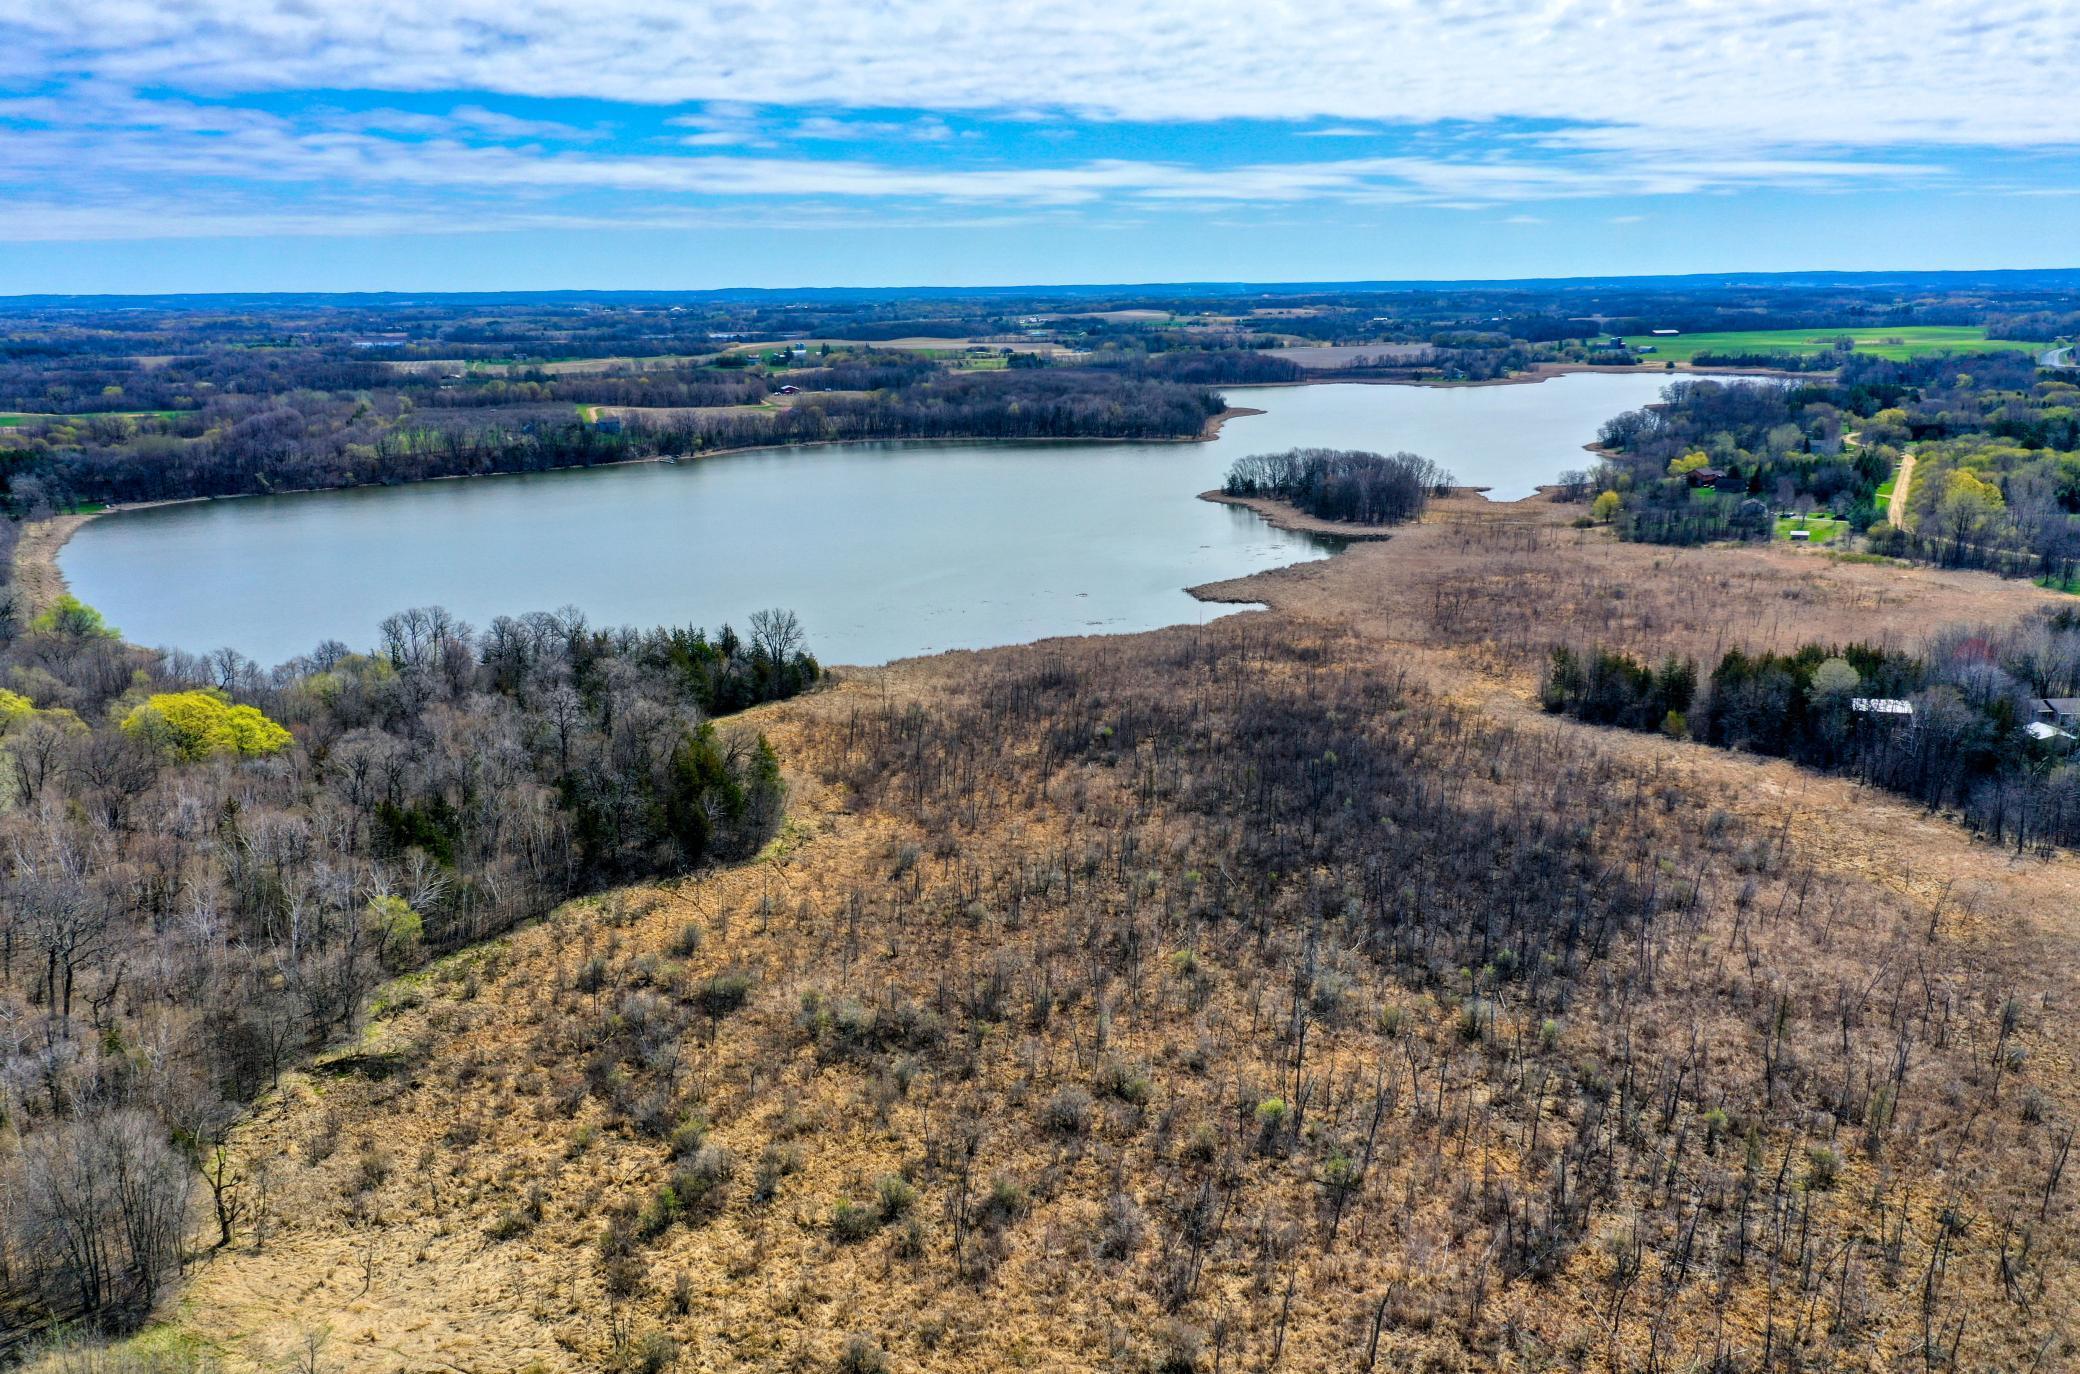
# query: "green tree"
[194,725]
[398,929]
[69,615]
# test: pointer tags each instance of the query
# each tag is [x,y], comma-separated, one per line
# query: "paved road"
[1896,509]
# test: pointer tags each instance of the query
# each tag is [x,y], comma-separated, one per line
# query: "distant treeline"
[312,440]
[1945,727]
[1778,362]
[1339,484]
[1011,404]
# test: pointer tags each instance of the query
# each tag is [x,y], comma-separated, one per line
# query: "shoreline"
[41,581]
[1540,372]
[1284,515]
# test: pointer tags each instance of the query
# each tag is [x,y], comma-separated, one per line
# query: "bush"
[653,1352]
[701,1180]
[723,994]
[1273,1117]
[1006,1203]
[894,1197]
[775,1162]
[1127,1084]
[851,1223]
[1123,1229]
[862,1356]
[1068,1112]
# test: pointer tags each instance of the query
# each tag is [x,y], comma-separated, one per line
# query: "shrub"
[702,1179]
[894,1197]
[1179,1349]
[1127,1084]
[1273,1116]
[1123,1229]
[852,1223]
[723,994]
[1068,1112]
[1006,1203]
[862,1356]
[653,1352]
[775,1162]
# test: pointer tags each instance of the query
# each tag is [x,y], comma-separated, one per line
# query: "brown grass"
[939,806]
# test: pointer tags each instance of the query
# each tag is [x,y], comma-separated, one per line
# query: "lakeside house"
[2061,713]
[1891,708]
[1717,479]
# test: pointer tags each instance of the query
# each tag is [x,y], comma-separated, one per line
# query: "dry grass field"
[1284,993]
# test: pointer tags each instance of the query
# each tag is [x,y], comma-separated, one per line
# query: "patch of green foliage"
[1897,342]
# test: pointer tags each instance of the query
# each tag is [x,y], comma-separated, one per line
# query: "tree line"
[1945,726]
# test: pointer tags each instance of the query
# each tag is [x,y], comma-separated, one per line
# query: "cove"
[885,550]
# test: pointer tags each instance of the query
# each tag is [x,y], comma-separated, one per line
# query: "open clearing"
[19,419]
[1330,356]
[1820,529]
[1898,342]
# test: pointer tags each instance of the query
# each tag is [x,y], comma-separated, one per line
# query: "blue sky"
[509,144]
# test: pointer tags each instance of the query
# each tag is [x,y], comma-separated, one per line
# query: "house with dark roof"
[2060,712]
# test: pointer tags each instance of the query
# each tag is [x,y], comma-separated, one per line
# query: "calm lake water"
[885,550]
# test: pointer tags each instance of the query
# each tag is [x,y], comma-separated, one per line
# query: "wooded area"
[195,894]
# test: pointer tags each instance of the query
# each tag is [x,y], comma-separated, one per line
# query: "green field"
[1822,528]
[1899,342]
[15,421]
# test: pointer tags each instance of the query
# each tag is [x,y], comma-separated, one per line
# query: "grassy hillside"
[1282,991]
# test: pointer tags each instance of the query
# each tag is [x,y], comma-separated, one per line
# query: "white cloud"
[887,131]
[1491,105]
[1771,73]
[108,142]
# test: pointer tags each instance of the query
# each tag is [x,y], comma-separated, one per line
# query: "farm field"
[1897,342]
[1327,357]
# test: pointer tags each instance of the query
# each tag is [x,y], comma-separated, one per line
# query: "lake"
[885,550]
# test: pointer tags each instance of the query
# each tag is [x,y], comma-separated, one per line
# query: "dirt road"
[1896,509]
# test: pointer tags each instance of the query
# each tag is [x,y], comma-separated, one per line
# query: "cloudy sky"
[153,145]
